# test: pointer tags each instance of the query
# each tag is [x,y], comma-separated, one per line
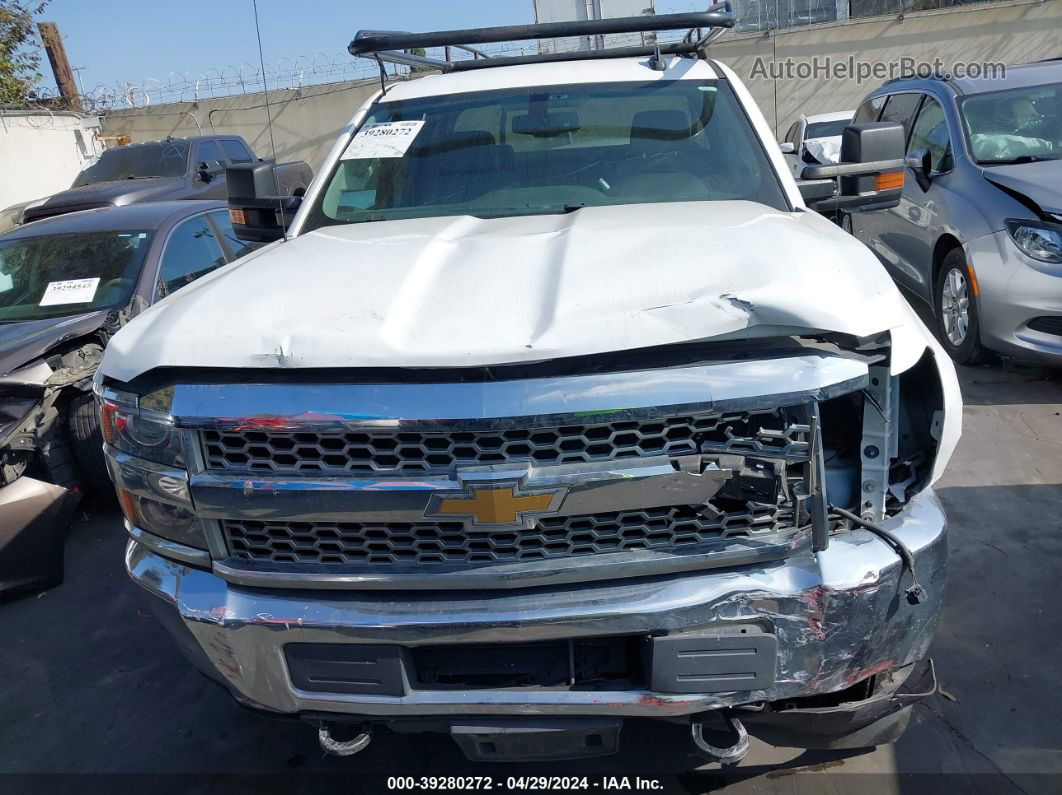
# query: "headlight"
[147,464]
[128,431]
[1038,239]
[172,522]
[11,217]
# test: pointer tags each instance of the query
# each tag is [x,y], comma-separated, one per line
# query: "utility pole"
[64,76]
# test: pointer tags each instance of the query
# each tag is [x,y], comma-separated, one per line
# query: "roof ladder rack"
[398,47]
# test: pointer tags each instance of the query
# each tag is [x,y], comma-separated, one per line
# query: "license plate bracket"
[714,660]
[537,740]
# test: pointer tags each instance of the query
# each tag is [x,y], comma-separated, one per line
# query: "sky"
[129,40]
[134,40]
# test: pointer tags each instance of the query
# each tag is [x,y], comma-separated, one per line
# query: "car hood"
[21,343]
[1040,182]
[463,291]
[826,150]
[119,192]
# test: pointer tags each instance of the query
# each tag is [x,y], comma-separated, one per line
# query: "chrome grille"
[386,451]
[669,528]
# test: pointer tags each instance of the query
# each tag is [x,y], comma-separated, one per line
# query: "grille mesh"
[405,452]
[450,542]
[1048,325]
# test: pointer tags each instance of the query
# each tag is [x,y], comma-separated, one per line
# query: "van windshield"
[826,129]
[540,150]
[1016,125]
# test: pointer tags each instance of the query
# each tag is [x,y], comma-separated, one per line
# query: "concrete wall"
[305,120]
[41,153]
[1010,33]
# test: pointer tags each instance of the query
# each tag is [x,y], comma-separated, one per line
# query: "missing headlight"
[879,444]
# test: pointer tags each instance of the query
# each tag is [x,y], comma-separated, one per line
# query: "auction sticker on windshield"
[71,291]
[386,139]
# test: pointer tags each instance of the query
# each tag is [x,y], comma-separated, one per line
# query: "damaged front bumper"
[838,617]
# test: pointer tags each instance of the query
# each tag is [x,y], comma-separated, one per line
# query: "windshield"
[163,159]
[540,150]
[1018,125]
[826,129]
[60,275]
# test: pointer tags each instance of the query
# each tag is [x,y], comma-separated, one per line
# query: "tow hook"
[331,745]
[725,756]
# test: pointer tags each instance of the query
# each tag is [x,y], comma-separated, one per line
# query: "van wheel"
[87,442]
[958,326]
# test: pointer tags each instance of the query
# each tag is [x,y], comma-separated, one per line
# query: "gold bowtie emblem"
[498,505]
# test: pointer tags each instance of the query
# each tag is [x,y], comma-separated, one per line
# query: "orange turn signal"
[107,420]
[974,287]
[128,503]
[891,181]
[238,216]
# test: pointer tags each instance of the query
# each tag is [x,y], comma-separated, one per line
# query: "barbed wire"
[304,71]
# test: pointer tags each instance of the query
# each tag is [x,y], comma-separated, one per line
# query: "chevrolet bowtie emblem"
[492,506]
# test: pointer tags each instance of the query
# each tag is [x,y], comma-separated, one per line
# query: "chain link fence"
[765,15]
[293,73]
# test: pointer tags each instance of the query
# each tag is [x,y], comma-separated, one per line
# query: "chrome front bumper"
[839,616]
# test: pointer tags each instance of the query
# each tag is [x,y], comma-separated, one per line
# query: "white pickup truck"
[553,404]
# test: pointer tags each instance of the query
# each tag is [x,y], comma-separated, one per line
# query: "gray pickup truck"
[176,168]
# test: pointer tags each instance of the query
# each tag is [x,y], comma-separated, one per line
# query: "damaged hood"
[826,150]
[1039,182]
[463,291]
[22,342]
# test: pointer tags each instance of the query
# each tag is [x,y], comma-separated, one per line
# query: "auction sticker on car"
[386,139]
[71,291]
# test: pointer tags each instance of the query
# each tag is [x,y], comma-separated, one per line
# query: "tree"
[20,56]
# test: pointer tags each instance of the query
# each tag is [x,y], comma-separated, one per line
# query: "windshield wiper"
[1019,160]
[142,176]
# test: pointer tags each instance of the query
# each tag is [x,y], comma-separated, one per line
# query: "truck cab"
[173,168]
[553,404]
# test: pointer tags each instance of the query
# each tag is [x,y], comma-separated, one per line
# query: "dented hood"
[118,192]
[22,342]
[463,291]
[825,150]
[1040,182]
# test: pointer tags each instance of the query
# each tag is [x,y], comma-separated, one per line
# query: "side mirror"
[257,214]
[787,147]
[204,173]
[920,163]
[869,174]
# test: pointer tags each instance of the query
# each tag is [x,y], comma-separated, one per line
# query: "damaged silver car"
[66,286]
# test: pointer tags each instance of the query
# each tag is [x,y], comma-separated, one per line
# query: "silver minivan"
[978,232]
